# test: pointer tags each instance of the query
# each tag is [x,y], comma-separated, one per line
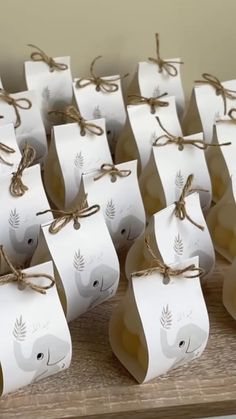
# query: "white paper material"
[35,339]
[211,106]
[53,88]
[8,138]
[19,224]
[74,154]
[31,129]
[153,83]
[146,129]
[120,202]
[229,289]
[89,269]
[176,239]
[95,104]
[181,163]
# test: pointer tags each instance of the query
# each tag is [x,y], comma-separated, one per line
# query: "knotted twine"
[166,270]
[180,208]
[6,149]
[180,141]
[72,113]
[102,84]
[20,103]
[167,65]
[153,102]
[112,171]
[17,187]
[65,217]
[22,279]
[220,90]
[40,55]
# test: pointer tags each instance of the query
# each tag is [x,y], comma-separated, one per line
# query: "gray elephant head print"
[113,129]
[128,229]
[100,285]
[23,242]
[47,354]
[40,148]
[187,343]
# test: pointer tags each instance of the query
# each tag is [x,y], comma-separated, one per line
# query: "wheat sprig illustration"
[19,331]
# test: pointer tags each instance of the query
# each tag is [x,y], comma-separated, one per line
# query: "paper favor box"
[157,76]
[85,261]
[142,129]
[162,181]
[221,160]
[221,222]
[116,190]
[35,339]
[160,324]
[70,155]
[52,85]
[207,106]
[229,289]
[174,239]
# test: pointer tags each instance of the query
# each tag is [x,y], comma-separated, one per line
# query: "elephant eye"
[95,284]
[108,132]
[123,231]
[181,344]
[30,241]
[40,356]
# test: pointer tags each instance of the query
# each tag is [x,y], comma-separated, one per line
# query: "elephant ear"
[1,380]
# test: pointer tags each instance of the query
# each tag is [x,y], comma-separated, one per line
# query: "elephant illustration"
[27,244]
[99,286]
[188,340]
[46,357]
[113,129]
[128,230]
[40,148]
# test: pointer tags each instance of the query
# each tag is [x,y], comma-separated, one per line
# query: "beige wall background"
[201,32]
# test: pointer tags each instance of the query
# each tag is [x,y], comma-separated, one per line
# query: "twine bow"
[181,141]
[167,65]
[21,103]
[65,217]
[22,279]
[102,84]
[166,270]
[72,113]
[231,113]
[113,171]
[180,208]
[6,149]
[153,102]
[17,187]
[220,90]
[40,55]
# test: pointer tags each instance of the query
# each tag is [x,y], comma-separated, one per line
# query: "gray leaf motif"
[19,331]
[46,94]
[97,112]
[166,317]
[179,180]
[156,91]
[110,210]
[153,137]
[14,219]
[79,160]
[178,245]
[79,261]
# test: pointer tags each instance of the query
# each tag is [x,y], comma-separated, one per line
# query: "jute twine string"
[181,142]
[153,102]
[40,55]
[22,279]
[180,207]
[17,187]
[65,217]
[220,90]
[165,270]
[6,149]
[72,113]
[167,65]
[20,103]
[112,171]
[102,84]
[231,115]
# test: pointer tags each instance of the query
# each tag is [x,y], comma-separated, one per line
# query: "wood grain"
[97,386]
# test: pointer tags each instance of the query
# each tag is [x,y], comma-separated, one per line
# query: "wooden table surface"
[97,386]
